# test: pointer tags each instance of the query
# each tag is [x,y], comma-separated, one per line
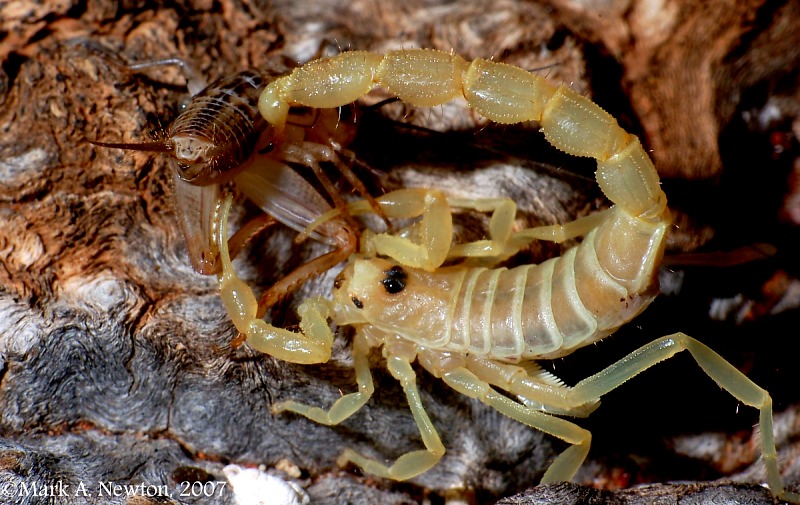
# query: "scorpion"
[220,137]
[481,329]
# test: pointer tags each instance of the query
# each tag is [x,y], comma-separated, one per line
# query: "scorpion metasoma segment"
[472,325]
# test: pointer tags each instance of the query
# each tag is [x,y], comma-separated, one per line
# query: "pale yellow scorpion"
[473,326]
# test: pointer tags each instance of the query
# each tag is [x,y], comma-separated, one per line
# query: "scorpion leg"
[348,404]
[312,345]
[568,462]
[584,396]
[503,242]
[562,232]
[427,243]
[415,462]
[498,246]
[716,367]
[535,385]
[423,245]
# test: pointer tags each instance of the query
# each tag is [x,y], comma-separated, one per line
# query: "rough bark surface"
[114,353]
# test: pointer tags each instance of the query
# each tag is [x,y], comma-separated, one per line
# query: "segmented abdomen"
[547,310]
[225,114]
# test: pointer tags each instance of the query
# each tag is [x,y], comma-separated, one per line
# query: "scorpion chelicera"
[476,326]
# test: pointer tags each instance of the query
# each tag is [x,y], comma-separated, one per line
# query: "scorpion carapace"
[471,325]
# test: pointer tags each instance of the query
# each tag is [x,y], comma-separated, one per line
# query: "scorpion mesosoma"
[219,137]
[474,327]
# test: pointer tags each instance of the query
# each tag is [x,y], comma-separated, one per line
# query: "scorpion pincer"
[473,326]
[220,137]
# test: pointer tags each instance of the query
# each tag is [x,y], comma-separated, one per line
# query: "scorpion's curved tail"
[500,92]
[625,173]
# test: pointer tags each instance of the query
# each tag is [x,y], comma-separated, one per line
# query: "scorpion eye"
[395,280]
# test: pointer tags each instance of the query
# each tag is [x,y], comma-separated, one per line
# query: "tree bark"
[115,357]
